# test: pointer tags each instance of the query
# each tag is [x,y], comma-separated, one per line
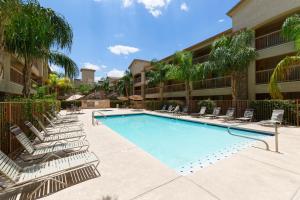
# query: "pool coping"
[269,133]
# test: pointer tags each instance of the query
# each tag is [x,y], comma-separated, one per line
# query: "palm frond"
[279,73]
[59,59]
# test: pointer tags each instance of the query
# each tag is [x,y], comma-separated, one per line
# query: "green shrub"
[209,104]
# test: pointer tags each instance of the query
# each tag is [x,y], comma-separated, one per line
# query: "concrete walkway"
[127,172]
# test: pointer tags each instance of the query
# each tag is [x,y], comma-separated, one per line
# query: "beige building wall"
[88,76]
[254,13]
[9,62]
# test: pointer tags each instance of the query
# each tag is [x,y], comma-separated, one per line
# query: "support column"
[252,81]
[143,81]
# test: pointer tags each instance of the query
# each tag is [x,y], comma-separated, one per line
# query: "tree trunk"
[187,93]
[239,84]
[161,91]
[26,79]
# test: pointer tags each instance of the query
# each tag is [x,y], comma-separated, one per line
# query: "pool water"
[182,145]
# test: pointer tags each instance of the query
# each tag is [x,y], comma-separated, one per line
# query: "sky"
[109,34]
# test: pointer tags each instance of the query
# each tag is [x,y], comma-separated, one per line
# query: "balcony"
[263,76]
[137,92]
[152,90]
[137,80]
[16,76]
[201,59]
[220,82]
[175,88]
[269,40]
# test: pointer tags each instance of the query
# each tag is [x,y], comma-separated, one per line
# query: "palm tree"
[52,82]
[158,75]
[291,31]
[183,69]
[231,55]
[31,32]
[128,82]
[105,85]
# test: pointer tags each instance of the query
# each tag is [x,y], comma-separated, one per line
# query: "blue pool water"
[182,145]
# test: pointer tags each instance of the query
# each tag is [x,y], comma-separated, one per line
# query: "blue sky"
[109,34]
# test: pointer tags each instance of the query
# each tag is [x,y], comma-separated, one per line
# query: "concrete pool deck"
[128,172]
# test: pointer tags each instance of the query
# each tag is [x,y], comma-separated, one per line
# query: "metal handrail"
[242,136]
[93,115]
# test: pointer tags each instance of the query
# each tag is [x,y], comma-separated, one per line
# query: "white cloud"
[55,68]
[115,73]
[127,3]
[88,65]
[98,78]
[122,50]
[221,20]
[154,7]
[184,7]
[119,35]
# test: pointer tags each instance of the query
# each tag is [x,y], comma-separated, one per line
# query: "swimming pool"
[182,145]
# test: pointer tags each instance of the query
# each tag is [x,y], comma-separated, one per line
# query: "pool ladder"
[93,115]
[251,138]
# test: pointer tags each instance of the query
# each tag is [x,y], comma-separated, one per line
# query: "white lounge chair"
[18,177]
[57,120]
[229,114]
[164,108]
[62,124]
[58,130]
[248,115]
[276,118]
[43,150]
[170,108]
[56,137]
[216,112]
[200,113]
[175,110]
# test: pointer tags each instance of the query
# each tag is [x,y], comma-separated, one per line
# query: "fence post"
[297,112]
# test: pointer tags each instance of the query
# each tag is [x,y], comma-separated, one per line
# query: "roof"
[87,69]
[236,7]
[199,44]
[139,60]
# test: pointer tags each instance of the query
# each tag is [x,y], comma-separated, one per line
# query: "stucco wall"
[256,12]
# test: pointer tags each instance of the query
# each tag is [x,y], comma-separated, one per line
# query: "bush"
[153,105]
[209,104]
[68,104]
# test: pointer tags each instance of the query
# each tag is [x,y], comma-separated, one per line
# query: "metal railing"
[137,79]
[93,115]
[264,76]
[16,76]
[174,88]
[220,82]
[137,92]
[251,138]
[269,40]
[154,90]
[200,59]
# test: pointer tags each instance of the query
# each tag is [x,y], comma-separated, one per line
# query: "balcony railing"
[137,92]
[138,80]
[269,40]
[152,90]
[200,59]
[16,76]
[263,76]
[174,88]
[221,82]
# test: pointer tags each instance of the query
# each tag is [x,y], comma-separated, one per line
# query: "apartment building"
[11,75]
[265,17]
